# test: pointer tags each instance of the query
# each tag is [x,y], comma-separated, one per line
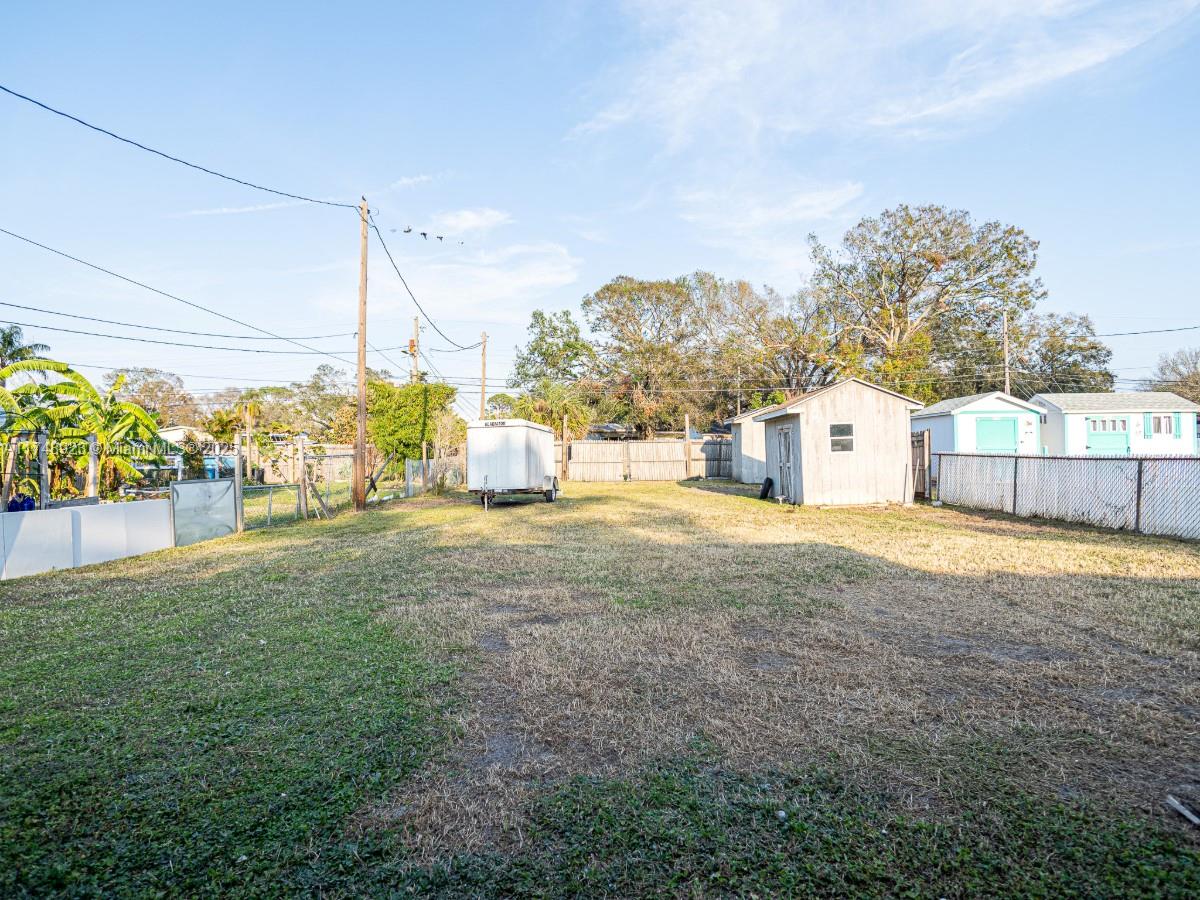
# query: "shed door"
[785,462]
[1107,435]
[996,435]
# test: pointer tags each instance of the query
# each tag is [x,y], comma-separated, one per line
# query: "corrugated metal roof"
[1124,401]
[942,407]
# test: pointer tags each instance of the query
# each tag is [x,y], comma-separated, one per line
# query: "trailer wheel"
[552,494]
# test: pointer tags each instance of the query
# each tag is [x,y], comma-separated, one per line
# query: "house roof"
[1124,401]
[787,406]
[942,407]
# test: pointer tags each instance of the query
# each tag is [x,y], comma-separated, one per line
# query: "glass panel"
[841,431]
[841,444]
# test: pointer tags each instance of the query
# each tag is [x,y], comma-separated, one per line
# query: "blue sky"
[566,143]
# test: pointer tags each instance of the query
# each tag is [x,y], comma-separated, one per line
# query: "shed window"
[1162,425]
[841,438]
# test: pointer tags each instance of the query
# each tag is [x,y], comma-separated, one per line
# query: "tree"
[652,351]
[223,425]
[193,456]
[400,418]
[1061,354]
[547,402]
[13,349]
[501,405]
[159,393]
[318,400]
[124,431]
[1178,372]
[909,282]
[556,350]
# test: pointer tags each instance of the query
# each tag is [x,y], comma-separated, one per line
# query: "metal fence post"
[1016,463]
[1137,509]
[238,512]
[93,470]
[302,497]
[43,471]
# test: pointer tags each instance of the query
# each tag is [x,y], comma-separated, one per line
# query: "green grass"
[230,719]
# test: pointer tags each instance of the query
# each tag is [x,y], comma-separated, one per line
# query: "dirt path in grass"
[629,623]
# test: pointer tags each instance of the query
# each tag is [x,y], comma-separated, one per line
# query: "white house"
[995,422]
[1132,423]
[846,443]
[749,447]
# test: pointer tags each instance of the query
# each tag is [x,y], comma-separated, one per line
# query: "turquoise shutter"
[1177,431]
[1147,426]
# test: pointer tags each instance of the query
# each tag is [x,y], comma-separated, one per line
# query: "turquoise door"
[1107,435]
[996,435]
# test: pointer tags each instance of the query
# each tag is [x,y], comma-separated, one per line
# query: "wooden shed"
[844,444]
[749,450]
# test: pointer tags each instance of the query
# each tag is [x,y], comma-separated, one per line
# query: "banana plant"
[125,432]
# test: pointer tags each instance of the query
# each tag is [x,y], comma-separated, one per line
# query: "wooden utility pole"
[1007,378]
[414,349]
[359,486]
[483,376]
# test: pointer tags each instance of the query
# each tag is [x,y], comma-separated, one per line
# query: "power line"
[386,250]
[1150,331]
[174,159]
[237,337]
[385,356]
[162,293]
[125,337]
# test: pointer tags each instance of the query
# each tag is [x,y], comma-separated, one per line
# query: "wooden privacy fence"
[665,460]
[1153,495]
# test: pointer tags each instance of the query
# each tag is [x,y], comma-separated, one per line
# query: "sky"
[558,145]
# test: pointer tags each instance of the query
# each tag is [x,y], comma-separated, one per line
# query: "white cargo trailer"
[510,456]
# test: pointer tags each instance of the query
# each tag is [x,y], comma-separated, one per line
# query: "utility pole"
[1007,377]
[483,376]
[359,485]
[414,348]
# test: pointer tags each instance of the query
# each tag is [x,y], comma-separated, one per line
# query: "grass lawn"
[639,689]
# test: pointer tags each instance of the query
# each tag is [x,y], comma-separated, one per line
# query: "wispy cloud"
[768,225]
[408,181]
[238,210]
[462,221]
[762,67]
[500,283]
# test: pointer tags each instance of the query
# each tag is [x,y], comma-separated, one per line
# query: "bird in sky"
[423,234]
[408,230]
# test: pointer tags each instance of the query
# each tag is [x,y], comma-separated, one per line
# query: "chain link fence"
[1153,495]
[264,505]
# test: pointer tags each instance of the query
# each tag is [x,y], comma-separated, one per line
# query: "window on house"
[841,438]
[1124,423]
[1162,425]
[1042,417]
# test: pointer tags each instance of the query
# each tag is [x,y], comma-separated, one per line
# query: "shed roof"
[750,414]
[787,406]
[942,407]
[1124,401]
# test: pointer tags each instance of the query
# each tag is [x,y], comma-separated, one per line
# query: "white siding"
[509,455]
[749,451]
[1053,434]
[879,469]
